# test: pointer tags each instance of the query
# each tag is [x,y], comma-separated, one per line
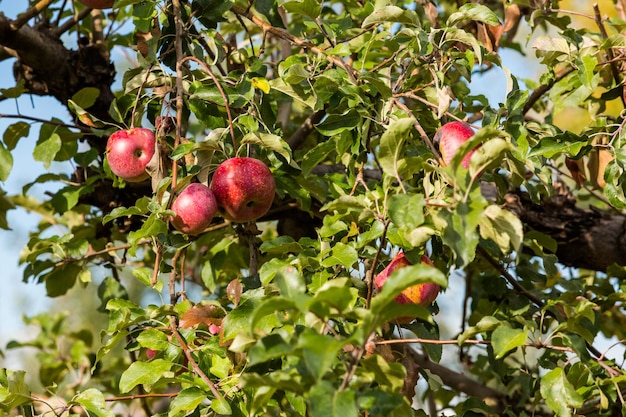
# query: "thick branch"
[587,238]
[460,382]
[48,68]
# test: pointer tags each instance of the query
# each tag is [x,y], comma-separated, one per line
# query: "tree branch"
[457,381]
[587,238]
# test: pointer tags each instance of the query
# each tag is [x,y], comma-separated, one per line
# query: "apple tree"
[257,296]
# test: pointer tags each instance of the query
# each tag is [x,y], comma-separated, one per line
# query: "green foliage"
[280,317]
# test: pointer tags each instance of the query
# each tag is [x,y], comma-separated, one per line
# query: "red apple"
[244,189]
[214,328]
[450,137]
[195,207]
[98,4]
[150,353]
[422,294]
[129,152]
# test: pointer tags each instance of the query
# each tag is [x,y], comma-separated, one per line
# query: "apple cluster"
[242,189]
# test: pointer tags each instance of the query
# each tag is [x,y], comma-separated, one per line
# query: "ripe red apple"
[98,4]
[422,294]
[450,137]
[244,189]
[129,152]
[195,207]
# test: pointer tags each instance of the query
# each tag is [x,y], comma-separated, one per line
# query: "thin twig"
[609,52]
[191,360]
[206,68]
[147,395]
[420,130]
[83,129]
[544,88]
[23,18]
[283,34]
[69,23]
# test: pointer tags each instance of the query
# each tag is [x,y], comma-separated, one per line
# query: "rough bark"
[47,67]
[586,238]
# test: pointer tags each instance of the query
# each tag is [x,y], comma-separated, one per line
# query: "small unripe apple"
[450,137]
[244,189]
[421,294]
[195,207]
[150,353]
[98,4]
[214,328]
[129,152]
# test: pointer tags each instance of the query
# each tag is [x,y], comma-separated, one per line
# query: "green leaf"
[334,124]
[407,211]
[459,229]
[221,406]
[84,116]
[486,324]
[269,306]
[295,91]
[14,391]
[151,227]
[559,393]
[504,339]
[46,150]
[336,293]
[14,133]
[502,227]
[475,12]
[62,279]
[546,43]
[273,142]
[549,147]
[391,149]
[317,154]
[86,97]
[387,374]
[319,352]
[280,245]
[186,400]
[14,92]
[453,34]
[489,154]
[391,14]
[327,401]
[143,373]
[93,402]
[153,339]
[268,348]
[6,204]
[308,8]
[6,163]
[341,254]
